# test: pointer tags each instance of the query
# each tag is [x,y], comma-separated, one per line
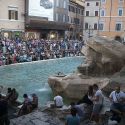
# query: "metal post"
[89,31]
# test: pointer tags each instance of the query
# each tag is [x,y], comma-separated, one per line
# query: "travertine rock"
[117,78]
[75,86]
[103,56]
[37,118]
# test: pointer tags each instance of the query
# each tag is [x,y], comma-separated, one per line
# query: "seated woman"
[87,100]
[26,107]
[88,97]
[9,93]
[34,102]
[73,118]
[14,96]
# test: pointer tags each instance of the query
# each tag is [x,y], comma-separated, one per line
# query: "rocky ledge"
[37,118]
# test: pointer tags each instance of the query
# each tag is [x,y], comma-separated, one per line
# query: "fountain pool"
[32,77]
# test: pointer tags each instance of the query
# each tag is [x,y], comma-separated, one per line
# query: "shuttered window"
[13,15]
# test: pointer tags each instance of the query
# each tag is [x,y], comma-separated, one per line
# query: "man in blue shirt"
[80,111]
[73,119]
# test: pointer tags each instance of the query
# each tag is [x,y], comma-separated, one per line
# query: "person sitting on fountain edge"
[34,102]
[80,110]
[4,120]
[58,101]
[9,93]
[117,98]
[73,118]
[14,96]
[87,98]
[26,107]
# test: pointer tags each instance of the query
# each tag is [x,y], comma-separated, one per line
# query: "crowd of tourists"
[18,50]
[93,100]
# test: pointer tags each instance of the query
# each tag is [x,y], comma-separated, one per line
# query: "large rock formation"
[117,78]
[104,57]
[74,86]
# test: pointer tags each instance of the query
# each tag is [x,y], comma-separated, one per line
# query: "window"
[57,17]
[120,12]
[78,11]
[13,15]
[121,1]
[82,22]
[76,21]
[118,26]
[102,13]
[95,26]
[97,3]
[64,4]
[96,13]
[82,12]
[101,26]
[86,26]
[64,18]
[68,19]
[72,9]
[87,13]
[57,3]
[103,1]
[88,4]
[72,20]
[69,8]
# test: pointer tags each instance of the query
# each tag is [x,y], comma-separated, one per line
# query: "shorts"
[97,108]
[118,106]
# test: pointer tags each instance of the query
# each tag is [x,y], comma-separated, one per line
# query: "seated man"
[26,107]
[9,93]
[14,96]
[34,102]
[73,118]
[80,110]
[4,120]
[117,98]
[58,101]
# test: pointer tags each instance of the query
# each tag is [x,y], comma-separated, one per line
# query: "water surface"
[32,77]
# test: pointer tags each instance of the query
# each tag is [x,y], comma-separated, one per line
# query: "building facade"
[65,21]
[91,18]
[12,18]
[76,19]
[49,21]
[112,18]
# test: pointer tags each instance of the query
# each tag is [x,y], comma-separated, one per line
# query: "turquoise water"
[32,77]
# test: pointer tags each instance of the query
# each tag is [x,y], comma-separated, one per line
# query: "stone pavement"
[36,118]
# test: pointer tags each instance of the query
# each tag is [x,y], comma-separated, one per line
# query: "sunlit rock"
[75,86]
[103,56]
